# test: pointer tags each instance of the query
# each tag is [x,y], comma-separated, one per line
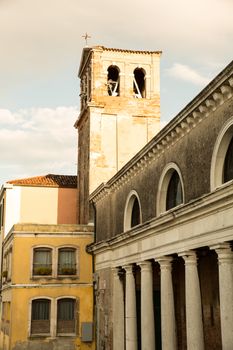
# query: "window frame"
[164,182]
[33,335]
[128,210]
[173,185]
[219,154]
[76,254]
[76,316]
[41,247]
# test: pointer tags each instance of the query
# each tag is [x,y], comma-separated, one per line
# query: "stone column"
[118,311]
[225,265]
[194,323]
[130,310]
[168,323]
[147,307]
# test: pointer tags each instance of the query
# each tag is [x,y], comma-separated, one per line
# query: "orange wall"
[67,206]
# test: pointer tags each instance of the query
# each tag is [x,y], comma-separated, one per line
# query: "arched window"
[174,192]
[132,215]
[66,316]
[139,86]
[40,316]
[113,82]
[222,158]
[135,216]
[228,163]
[170,189]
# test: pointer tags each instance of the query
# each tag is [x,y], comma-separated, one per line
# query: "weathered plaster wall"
[22,286]
[104,310]
[20,338]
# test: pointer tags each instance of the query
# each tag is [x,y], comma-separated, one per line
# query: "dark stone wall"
[103,311]
[192,153]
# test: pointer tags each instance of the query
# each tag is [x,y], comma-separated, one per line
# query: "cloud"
[41,43]
[183,72]
[37,141]
[33,33]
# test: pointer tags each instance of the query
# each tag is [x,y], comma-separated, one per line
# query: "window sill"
[39,336]
[37,277]
[171,210]
[60,277]
[67,276]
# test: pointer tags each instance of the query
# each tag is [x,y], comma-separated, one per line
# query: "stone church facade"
[163,214]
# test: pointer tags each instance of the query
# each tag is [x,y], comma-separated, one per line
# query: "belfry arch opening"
[113,81]
[139,84]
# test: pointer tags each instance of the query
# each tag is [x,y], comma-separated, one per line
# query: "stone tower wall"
[118,126]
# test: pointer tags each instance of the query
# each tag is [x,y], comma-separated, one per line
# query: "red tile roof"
[50,180]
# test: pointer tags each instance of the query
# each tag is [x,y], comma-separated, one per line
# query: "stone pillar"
[194,323]
[225,264]
[147,307]
[168,323]
[118,312]
[130,310]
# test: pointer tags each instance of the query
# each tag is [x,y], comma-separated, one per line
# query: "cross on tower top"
[86,37]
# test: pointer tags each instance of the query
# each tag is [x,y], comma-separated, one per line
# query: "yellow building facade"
[47,293]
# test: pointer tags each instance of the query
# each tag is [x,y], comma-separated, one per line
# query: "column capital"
[144,265]
[128,268]
[164,262]
[116,270]
[189,257]
[224,252]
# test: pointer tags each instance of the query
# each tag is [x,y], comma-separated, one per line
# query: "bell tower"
[119,113]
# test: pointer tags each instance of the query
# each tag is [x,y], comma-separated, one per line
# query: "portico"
[195,304]
[181,293]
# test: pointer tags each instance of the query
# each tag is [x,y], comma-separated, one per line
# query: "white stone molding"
[194,322]
[219,154]
[128,209]
[168,322]
[147,307]
[118,311]
[163,186]
[225,264]
[130,309]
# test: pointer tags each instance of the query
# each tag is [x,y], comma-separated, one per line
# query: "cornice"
[216,93]
[158,52]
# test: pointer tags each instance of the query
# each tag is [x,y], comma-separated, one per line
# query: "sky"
[40,49]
